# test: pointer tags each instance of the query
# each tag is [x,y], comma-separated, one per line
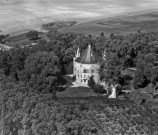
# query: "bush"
[32,35]
[74,78]
[99,89]
[91,82]
[82,107]
[138,97]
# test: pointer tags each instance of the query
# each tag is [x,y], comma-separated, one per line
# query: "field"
[21,39]
[120,25]
[76,92]
[73,90]
[21,15]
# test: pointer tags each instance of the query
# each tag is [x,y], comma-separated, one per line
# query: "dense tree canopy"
[32,35]
[37,71]
[42,71]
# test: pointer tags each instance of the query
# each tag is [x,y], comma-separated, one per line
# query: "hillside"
[123,24]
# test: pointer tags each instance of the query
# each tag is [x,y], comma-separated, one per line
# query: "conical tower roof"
[88,57]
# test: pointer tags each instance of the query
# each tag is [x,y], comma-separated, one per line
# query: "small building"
[86,65]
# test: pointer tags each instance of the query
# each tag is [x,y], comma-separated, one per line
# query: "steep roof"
[88,56]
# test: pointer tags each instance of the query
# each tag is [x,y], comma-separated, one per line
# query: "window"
[84,71]
[78,75]
[84,76]
[75,68]
[92,71]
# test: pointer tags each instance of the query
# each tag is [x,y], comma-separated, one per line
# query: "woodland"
[32,75]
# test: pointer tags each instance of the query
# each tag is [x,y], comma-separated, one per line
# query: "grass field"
[147,21]
[76,92]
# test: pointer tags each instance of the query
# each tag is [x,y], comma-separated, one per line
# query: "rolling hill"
[144,21]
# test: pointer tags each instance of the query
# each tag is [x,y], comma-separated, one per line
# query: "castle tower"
[104,55]
[77,54]
[86,65]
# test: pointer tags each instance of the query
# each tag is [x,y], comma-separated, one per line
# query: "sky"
[27,12]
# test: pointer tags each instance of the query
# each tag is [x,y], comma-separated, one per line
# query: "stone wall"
[84,71]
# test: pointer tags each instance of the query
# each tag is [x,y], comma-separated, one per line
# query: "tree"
[2,127]
[139,80]
[148,68]
[5,62]
[112,36]
[74,78]
[109,90]
[153,47]
[42,72]
[136,97]
[149,58]
[99,89]
[112,70]
[18,57]
[102,34]
[150,89]
[91,82]
[68,55]
[12,62]
[32,35]
[53,34]
[2,38]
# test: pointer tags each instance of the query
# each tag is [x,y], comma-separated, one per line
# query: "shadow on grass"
[76,92]
[61,89]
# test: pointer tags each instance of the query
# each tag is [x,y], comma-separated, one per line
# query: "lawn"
[76,92]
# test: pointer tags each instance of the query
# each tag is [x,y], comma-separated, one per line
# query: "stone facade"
[85,66]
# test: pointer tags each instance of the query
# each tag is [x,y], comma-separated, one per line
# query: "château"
[86,65]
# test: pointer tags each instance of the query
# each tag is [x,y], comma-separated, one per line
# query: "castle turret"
[77,55]
[104,55]
[86,65]
[77,52]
